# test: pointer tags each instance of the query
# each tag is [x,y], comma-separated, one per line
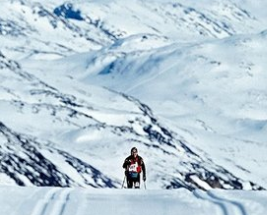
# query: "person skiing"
[134,165]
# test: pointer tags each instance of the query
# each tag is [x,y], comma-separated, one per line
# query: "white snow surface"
[81,82]
[71,201]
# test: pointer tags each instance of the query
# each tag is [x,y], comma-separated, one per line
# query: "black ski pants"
[133,182]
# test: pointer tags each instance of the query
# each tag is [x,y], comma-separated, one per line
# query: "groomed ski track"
[79,201]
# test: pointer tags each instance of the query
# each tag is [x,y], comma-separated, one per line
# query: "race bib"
[133,167]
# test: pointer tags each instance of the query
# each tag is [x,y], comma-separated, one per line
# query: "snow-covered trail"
[79,201]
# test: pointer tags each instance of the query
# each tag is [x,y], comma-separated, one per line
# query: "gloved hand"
[144,178]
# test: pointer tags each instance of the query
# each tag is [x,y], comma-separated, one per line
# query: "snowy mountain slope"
[212,93]
[79,127]
[59,113]
[69,201]
[37,29]
[30,158]
[26,162]
[192,102]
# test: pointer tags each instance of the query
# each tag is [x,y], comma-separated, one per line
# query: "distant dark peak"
[68,11]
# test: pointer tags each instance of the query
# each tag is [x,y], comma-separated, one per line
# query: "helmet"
[134,149]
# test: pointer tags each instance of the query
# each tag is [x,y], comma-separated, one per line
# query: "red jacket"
[131,160]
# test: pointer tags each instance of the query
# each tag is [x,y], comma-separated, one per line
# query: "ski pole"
[123,183]
[145,185]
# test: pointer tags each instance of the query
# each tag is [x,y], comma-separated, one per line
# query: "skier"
[134,165]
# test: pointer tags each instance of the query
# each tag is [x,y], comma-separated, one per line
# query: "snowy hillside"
[45,29]
[84,81]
